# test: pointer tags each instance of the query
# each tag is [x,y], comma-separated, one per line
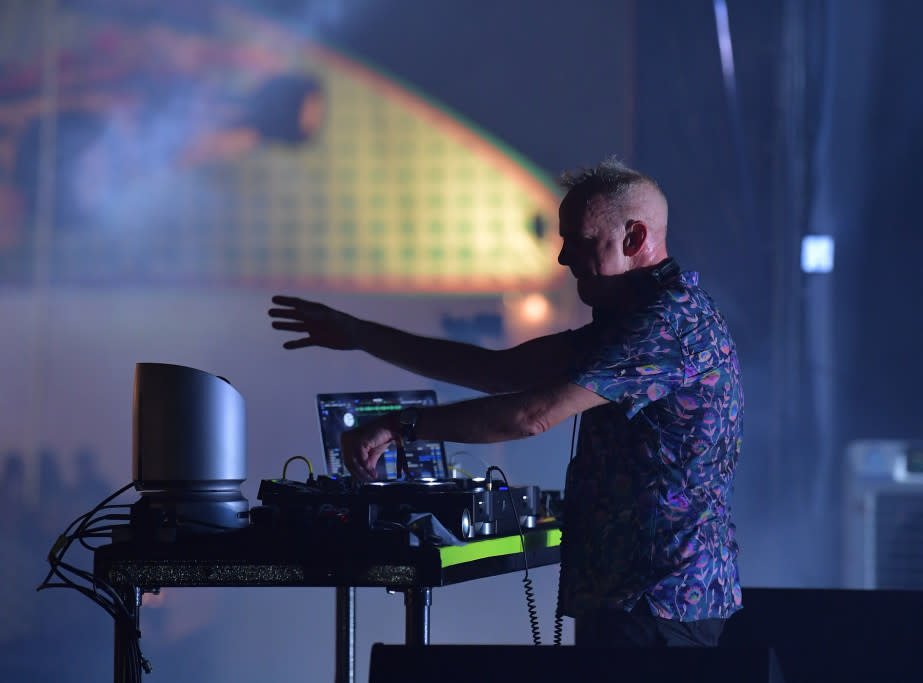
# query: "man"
[649,556]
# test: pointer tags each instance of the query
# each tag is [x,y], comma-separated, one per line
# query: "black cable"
[526,580]
[64,541]
[100,506]
[530,606]
[112,602]
[95,530]
[558,614]
[91,525]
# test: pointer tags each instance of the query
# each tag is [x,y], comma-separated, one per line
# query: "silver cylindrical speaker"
[189,445]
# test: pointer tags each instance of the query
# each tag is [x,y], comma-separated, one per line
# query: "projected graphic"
[220,148]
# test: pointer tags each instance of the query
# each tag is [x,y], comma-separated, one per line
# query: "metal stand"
[346,635]
[417,602]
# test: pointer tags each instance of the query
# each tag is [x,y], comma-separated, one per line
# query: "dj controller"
[467,508]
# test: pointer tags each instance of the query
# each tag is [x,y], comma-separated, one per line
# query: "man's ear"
[635,236]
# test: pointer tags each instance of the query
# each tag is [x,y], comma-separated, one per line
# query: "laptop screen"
[343,411]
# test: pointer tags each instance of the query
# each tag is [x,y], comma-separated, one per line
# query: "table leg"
[417,602]
[346,635]
[131,596]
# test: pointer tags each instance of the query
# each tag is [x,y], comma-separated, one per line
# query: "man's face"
[593,246]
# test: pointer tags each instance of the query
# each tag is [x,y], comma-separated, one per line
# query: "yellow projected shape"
[394,194]
[174,165]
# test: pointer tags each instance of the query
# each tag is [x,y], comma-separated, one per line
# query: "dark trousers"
[640,628]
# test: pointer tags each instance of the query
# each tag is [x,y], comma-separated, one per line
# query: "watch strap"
[408,424]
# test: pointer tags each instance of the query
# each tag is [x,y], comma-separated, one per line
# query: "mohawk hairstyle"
[610,177]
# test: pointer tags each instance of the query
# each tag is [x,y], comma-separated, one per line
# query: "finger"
[367,470]
[299,304]
[299,343]
[283,300]
[285,313]
[363,468]
[291,327]
[362,472]
[350,468]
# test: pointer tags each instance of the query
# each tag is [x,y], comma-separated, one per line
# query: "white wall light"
[817,253]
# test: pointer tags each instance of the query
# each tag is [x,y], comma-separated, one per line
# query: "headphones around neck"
[665,270]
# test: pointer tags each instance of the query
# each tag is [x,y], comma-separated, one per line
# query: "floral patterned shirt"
[647,497]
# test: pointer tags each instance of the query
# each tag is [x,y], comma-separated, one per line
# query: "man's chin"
[585,292]
[602,295]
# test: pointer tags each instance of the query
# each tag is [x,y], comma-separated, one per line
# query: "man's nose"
[562,259]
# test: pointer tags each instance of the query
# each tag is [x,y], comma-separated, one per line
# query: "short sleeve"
[632,362]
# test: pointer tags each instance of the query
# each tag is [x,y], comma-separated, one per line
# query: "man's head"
[613,220]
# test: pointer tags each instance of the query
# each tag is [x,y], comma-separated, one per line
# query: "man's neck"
[635,289]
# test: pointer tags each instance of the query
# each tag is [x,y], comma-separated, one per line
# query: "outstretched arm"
[480,420]
[522,367]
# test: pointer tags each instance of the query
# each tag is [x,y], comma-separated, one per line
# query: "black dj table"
[270,557]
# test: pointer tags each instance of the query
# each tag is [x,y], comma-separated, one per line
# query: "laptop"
[343,411]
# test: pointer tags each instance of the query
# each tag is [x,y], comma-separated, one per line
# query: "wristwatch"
[408,424]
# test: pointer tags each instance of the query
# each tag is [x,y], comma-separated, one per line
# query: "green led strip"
[494,547]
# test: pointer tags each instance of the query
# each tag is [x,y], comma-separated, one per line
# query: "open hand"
[324,326]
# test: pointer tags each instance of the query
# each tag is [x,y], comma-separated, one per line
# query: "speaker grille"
[899,540]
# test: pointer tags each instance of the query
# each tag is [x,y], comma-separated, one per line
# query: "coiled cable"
[558,614]
[526,579]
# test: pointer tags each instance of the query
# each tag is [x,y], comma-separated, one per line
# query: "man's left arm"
[502,417]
